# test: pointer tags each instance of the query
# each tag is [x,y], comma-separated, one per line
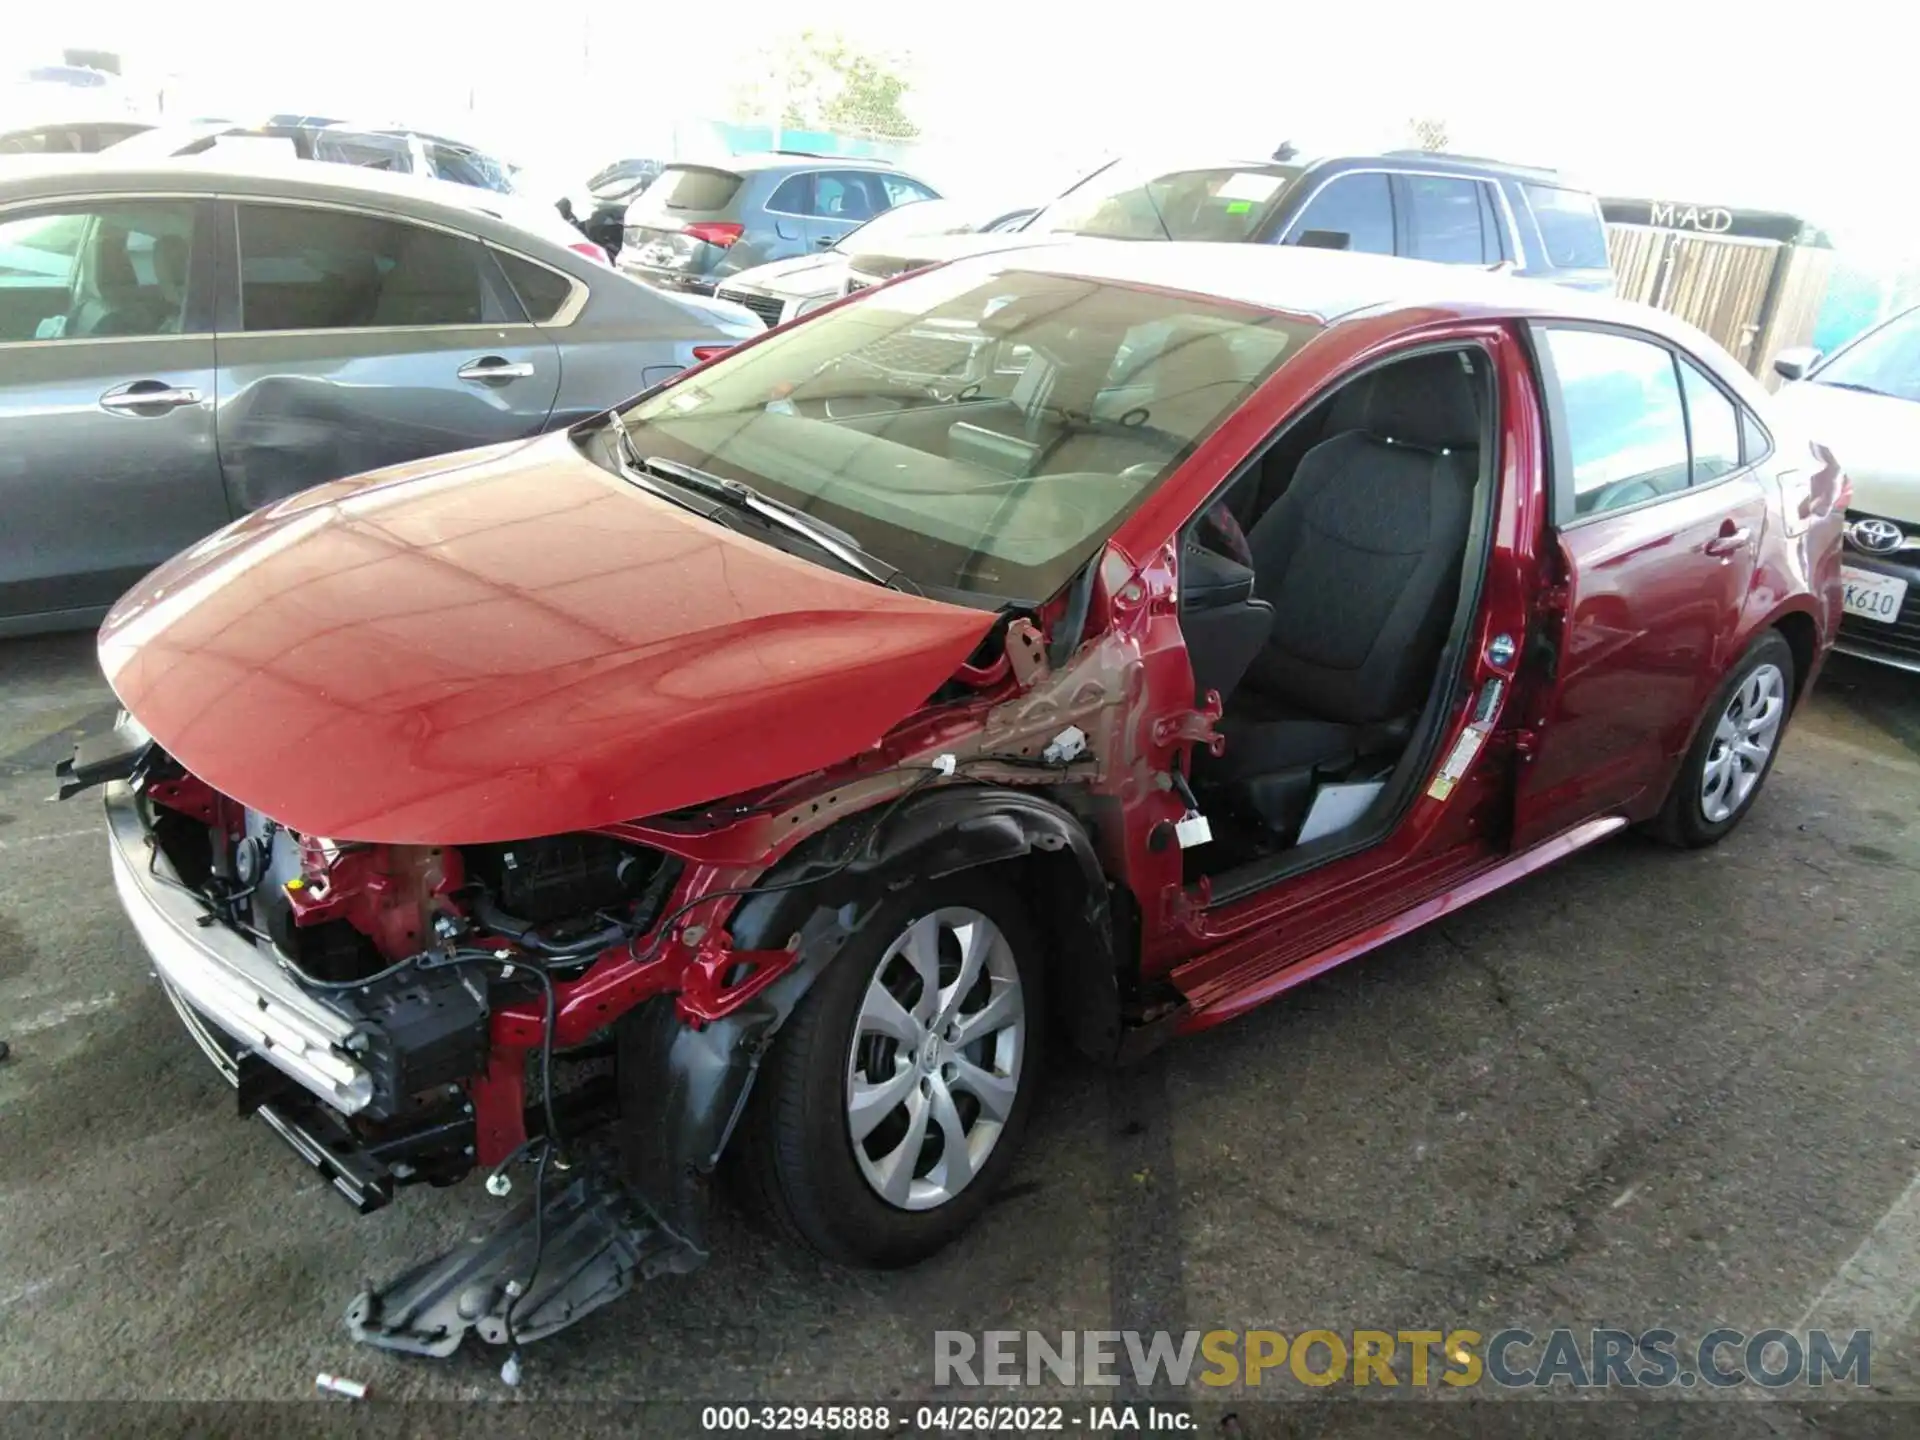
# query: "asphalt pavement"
[1642,1088]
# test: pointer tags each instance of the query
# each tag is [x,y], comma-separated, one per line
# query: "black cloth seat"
[1360,559]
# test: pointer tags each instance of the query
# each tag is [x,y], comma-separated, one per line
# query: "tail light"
[714,232]
[704,353]
[591,251]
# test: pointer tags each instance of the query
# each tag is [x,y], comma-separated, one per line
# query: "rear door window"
[1570,227]
[794,196]
[1357,206]
[315,269]
[692,187]
[1625,438]
[1445,220]
[844,195]
[1713,426]
[901,191]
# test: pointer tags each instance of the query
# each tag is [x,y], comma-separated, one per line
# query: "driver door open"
[1439,816]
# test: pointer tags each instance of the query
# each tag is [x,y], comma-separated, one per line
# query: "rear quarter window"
[1570,227]
[692,187]
[542,292]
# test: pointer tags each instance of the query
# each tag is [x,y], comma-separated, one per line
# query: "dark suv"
[698,224]
[1414,204]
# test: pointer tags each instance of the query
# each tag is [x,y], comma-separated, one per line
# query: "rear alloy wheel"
[1735,748]
[894,1098]
[1743,743]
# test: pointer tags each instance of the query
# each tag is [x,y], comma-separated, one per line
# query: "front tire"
[895,1097]
[1734,751]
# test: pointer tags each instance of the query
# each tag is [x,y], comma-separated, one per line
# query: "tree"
[814,81]
[1429,134]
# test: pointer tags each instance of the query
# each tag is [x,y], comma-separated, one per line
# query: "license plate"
[1871,595]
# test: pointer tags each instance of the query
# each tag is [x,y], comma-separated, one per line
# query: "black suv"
[1422,206]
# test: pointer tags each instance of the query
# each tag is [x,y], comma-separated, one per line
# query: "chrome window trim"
[63,341]
[230,336]
[1499,191]
[350,208]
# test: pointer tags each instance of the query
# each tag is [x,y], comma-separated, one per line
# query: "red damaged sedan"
[1080,645]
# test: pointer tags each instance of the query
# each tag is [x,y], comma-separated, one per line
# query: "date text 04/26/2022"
[946,1419]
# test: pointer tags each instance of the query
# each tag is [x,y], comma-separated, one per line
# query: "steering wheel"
[1221,532]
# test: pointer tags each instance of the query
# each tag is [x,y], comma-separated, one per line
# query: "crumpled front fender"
[683,1089]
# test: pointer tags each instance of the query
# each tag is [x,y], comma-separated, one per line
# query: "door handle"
[1731,540]
[148,395]
[492,367]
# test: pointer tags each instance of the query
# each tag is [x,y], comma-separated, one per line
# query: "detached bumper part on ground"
[598,1240]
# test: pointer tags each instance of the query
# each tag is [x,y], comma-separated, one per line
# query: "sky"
[1760,105]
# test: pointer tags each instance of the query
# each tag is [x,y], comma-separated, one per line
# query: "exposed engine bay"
[417,943]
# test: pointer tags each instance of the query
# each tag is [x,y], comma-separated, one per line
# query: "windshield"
[469,167]
[1138,201]
[916,217]
[981,428]
[1885,361]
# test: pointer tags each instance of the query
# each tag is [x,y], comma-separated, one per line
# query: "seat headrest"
[1430,402]
[170,261]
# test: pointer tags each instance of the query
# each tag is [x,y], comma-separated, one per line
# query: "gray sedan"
[181,344]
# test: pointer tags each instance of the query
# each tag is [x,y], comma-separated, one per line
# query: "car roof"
[784,160]
[1328,287]
[32,177]
[1411,161]
[23,124]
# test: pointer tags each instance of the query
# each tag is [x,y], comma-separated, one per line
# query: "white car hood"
[1875,437]
[735,320]
[803,276]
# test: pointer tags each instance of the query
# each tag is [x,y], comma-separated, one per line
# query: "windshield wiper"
[742,496]
[1853,385]
[1159,217]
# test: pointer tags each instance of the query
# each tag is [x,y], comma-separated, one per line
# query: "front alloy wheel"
[893,1099]
[934,1067]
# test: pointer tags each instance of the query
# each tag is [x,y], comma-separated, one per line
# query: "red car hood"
[509,643]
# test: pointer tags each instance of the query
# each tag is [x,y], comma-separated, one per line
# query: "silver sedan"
[181,344]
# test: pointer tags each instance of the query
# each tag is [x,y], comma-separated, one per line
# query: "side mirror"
[565,207]
[1324,239]
[1795,363]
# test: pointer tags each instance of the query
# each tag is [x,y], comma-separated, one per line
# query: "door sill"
[1232,980]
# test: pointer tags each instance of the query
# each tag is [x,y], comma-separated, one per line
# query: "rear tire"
[888,1111]
[1733,753]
